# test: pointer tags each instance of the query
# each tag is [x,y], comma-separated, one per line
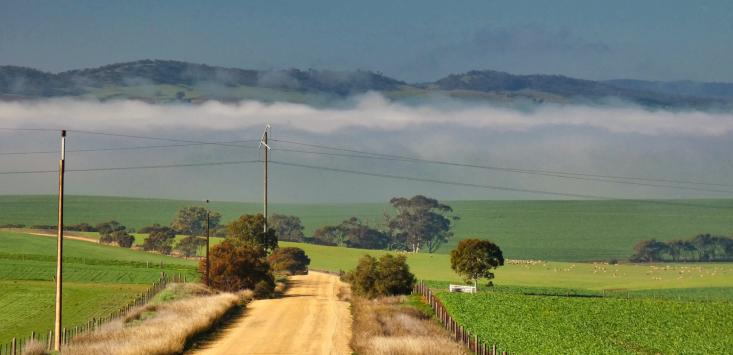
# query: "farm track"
[308,319]
[66,236]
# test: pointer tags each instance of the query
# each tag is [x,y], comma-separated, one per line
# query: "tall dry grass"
[34,347]
[383,327]
[157,328]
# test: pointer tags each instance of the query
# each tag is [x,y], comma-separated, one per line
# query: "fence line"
[458,333]
[16,346]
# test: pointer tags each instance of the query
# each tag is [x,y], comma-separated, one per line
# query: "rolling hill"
[161,81]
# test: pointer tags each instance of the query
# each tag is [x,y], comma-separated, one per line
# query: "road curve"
[308,319]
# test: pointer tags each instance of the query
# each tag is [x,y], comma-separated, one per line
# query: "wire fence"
[461,335]
[67,335]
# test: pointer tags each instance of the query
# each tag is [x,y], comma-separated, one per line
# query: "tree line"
[418,223]
[701,247]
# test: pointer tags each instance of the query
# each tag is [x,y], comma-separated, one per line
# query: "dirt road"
[309,319]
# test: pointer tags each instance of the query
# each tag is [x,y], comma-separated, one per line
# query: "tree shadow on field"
[206,339]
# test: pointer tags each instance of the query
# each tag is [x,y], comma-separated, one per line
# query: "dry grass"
[344,292]
[158,328]
[34,347]
[384,327]
[280,288]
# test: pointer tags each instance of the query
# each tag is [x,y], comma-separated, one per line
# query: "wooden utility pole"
[263,141]
[207,244]
[60,247]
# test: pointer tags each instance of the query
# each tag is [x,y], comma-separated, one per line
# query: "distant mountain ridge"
[165,80]
[723,91]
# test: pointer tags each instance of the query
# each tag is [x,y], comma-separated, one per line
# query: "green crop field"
[29,305]
[18,243]
[567,325]
[97,280]
[552,230]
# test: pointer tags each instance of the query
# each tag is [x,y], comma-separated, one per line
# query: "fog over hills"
[159,81]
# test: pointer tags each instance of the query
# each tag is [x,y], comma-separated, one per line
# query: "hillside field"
[97,280]
[29,305]
[550,230]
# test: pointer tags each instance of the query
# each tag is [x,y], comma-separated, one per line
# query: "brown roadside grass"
[160,327]
[384,327]
[34,347]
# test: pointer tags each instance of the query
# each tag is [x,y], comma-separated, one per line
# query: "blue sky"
[410,40]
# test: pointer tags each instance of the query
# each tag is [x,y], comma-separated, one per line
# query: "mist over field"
[615,139]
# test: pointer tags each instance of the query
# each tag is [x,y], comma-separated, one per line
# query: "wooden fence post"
[12,347]
[493,350]
[50,339]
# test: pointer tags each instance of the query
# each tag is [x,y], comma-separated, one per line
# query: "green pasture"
[522,324]
[559,275]
[553,230]
[28,306]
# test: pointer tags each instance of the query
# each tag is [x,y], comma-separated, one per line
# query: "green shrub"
[387,276]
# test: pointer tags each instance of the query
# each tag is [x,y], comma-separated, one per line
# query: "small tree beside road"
[474,259]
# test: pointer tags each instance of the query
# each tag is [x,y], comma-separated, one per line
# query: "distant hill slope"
[164,80]
[722,91]
[569,88]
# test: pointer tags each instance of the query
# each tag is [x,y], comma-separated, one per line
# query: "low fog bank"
[616,141]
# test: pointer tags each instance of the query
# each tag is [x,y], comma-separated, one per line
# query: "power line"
[132,167]
[562,194]
[526,171]
[129,148]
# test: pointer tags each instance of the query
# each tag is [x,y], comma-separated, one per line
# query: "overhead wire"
[132,167]
[556,173]
[363,154]
[542,174]
[132,148]
[491,187]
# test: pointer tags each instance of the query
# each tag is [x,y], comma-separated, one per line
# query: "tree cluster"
[160,242]
[249,231]
[191,221]
[289,261]
[190,246]
[387,276]
[287,228]
[352,233]
[119,237]
[112,232]
[420,222]
[701,247]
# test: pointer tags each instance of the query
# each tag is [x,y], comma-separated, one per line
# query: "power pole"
[263,141]
[60,247]
[207,244]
